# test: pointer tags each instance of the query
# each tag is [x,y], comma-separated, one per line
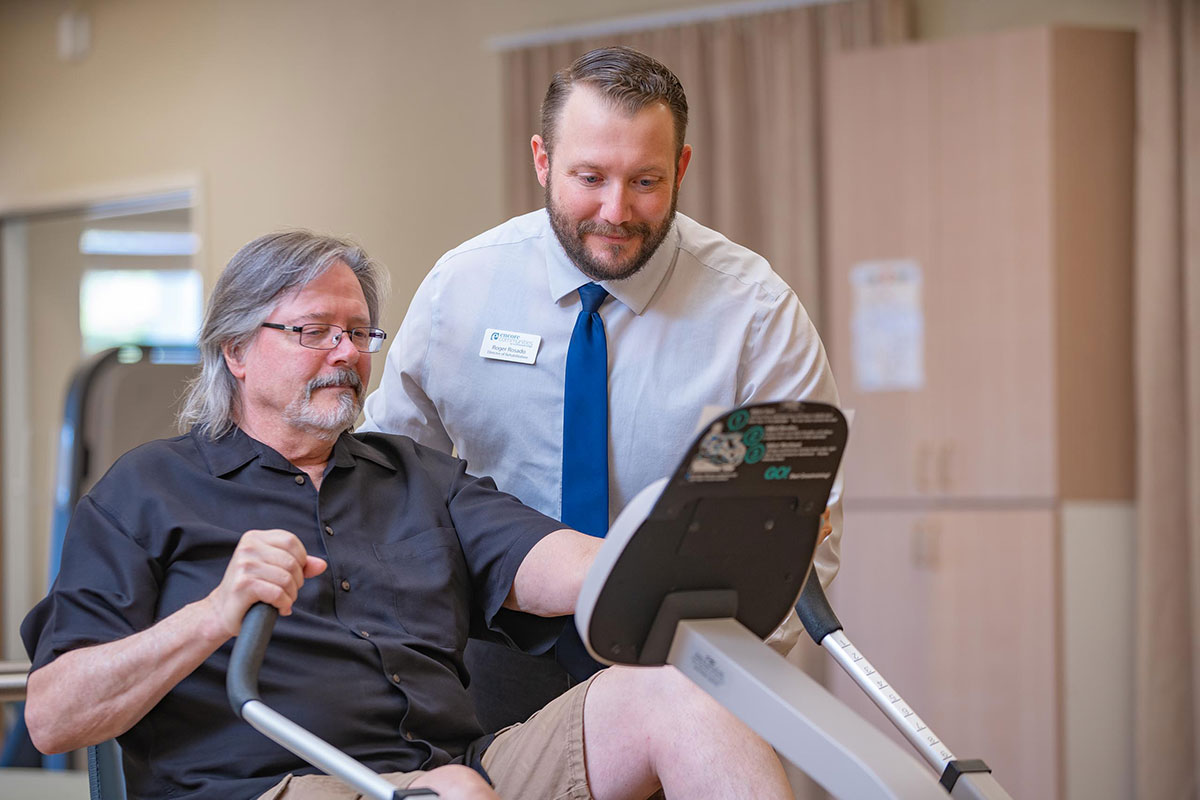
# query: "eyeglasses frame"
[371,334]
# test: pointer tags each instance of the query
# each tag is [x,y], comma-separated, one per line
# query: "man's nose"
[344,352]
[617,208]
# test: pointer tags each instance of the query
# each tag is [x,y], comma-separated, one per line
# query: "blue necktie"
[585,420]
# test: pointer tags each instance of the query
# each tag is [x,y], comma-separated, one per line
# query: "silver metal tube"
[316,751]
[13,675]
[838,749]
[889,700]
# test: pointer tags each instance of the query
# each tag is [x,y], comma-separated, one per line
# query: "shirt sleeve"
[401,403]
[106,589]
[497,531]
[784,357]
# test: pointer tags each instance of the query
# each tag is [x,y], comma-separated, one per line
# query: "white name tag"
[510,346]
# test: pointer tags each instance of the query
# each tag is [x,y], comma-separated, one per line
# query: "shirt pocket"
[430,586]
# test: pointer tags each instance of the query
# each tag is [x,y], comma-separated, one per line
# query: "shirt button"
[299,479]
[408,735]
[329,530]
[364,634]
[395,677]
[345,585]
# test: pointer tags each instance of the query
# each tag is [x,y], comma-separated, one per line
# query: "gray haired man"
[380,555]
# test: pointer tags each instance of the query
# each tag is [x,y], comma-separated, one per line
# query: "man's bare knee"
[662,693]
[646,725]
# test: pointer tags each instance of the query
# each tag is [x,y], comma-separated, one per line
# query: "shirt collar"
[236,449]
[634,292]
[349,447]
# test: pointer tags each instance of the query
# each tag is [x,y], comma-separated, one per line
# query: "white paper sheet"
[887,326]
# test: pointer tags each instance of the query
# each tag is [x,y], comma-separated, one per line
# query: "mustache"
[342,376]
[604,229]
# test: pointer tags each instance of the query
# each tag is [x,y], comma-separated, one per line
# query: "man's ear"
[541,159]
[234,360]
[685,158]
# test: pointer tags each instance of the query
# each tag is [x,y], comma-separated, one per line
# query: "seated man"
[380,555]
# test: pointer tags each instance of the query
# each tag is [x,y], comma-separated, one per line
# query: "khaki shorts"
[539,759]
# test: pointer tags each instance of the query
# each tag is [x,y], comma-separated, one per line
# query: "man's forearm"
[549,579]
[98,692]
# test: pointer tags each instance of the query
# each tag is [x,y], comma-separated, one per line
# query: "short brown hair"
[629,79]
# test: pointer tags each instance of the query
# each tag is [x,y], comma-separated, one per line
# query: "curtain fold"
[755,91]
[1167,373]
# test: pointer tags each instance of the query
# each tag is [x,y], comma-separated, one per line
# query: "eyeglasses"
[319,336]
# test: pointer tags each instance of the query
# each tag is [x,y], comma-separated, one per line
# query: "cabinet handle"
[926,545]
[924,456]
[945,464]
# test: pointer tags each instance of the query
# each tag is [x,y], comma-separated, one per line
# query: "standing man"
[569,353]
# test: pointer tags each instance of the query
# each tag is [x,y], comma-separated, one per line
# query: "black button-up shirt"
[419,553]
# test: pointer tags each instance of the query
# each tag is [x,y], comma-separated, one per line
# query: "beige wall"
[377,119]
[372,118]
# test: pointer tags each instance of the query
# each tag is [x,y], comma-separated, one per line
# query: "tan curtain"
[1167,325]
[754,87]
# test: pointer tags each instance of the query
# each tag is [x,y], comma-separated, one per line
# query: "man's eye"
[648,183]
[590,180]
[316,330]
[360,334]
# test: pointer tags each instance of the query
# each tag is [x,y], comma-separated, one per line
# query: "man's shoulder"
[526,230]
[720,259]
[399,450]
[158,454]
[154,466]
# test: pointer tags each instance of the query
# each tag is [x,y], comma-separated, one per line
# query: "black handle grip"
[241,683]
[814,610]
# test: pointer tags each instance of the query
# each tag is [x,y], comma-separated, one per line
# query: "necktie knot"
[591,295]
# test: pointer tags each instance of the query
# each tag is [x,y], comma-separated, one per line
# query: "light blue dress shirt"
[706,324]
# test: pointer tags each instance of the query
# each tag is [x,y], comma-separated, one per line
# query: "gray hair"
[628,78]
[249,288]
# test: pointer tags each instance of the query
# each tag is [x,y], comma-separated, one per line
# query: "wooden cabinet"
[1001,166]
[957,611]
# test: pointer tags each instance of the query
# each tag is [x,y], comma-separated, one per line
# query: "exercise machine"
[698,569]
[695,572]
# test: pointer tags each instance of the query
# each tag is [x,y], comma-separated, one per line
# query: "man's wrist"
[213,626]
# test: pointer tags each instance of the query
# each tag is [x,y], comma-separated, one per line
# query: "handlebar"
[241,685]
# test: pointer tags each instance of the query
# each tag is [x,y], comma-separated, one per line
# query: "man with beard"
[486,359]
[379,553]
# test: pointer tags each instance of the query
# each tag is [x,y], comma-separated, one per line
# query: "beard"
[570,235]
[328,423]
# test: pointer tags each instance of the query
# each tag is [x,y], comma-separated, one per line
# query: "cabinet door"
[940,154]
[879,193]
[991,288]
[957,610]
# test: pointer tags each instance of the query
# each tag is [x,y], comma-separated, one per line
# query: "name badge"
[510,346]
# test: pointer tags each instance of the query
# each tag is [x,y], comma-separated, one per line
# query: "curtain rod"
[644,22]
